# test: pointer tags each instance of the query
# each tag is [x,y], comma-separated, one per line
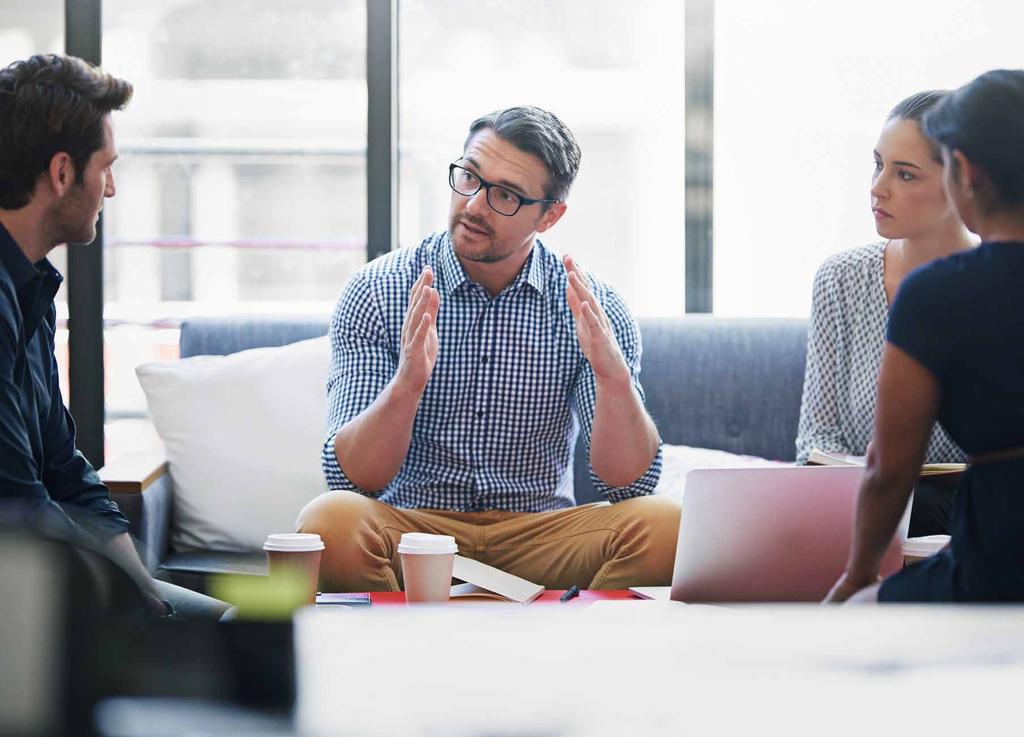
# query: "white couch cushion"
[679,460]
[243,435]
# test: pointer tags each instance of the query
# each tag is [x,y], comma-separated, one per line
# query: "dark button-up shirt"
[40,470]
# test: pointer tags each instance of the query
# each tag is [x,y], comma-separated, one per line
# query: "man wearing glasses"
[462,371]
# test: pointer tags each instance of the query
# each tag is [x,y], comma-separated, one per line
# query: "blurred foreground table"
[648,667]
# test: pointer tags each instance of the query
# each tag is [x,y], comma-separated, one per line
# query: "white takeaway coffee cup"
[427,563]
[289,553]
[916,549]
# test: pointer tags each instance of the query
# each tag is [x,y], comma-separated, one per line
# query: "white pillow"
[679,460]
[243,435]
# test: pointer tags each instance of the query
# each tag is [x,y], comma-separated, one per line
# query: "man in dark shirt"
[56,152]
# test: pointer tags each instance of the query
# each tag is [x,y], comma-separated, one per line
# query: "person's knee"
[341,518]
[652,528]
[655,518]
[344,521]
[331,511]
[644,548]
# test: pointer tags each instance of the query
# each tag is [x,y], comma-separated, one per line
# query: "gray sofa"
[729,384]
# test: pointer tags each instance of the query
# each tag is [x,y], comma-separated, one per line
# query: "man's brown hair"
[540,133]
[49,104]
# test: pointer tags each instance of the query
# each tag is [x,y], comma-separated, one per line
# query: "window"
[612,71]
[241,186]
[802,89]
[242,182]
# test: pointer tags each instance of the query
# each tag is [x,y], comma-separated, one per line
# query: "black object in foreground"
[572,592]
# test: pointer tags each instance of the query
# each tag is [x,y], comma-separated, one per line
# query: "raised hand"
[593,329]
[419,334]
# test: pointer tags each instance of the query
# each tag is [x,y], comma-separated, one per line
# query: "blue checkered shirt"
[511,389]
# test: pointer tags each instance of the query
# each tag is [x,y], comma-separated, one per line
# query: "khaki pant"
[595,546]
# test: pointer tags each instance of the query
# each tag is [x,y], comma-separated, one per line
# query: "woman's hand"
[844,588]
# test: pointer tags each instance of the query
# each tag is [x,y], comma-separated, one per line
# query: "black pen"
[571,592]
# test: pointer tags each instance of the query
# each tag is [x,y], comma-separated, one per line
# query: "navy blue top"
[41,472]
[962,318]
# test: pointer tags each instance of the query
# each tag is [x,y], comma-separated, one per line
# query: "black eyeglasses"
[501,199]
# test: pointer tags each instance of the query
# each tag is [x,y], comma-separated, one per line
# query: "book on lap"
[833,458]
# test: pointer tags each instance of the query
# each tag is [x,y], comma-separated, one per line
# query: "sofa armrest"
[133,473]
[141,486]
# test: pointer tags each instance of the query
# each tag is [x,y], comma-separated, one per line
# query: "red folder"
[550,596]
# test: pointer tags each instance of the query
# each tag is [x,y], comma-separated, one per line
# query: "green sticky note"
[265,598]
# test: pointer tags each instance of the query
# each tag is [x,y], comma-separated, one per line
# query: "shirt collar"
[35,284]
[535,269]
[18,266]
[453,275]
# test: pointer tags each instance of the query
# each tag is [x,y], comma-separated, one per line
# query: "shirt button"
[479,414]
[483,359]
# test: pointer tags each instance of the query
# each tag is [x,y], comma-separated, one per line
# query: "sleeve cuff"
[102,522]
[335,476]
[643,486]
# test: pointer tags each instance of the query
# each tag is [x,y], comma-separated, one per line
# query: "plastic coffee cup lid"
[293,542]
[923,547]
[422,543]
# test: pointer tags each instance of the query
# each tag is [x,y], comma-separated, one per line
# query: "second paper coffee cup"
[427,563]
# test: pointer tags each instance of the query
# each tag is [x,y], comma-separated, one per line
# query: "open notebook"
[830,458]
[487,582]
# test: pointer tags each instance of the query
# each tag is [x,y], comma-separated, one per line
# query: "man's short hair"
[49,104]
[540,133]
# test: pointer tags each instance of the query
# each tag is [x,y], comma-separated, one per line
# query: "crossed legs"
[609,546]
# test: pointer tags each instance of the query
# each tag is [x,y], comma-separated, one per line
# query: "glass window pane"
[241,186]
[30,27]
[802,89]
[611,72]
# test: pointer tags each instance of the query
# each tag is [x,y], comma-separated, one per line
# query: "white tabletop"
[660,668]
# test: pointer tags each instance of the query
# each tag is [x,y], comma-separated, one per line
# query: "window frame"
[84,38]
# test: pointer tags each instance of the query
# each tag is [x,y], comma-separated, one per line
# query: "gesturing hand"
[593,329]
[419,333]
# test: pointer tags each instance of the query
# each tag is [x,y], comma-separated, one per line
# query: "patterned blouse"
[844,354]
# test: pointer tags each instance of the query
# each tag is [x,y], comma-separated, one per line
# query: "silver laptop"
[769,534]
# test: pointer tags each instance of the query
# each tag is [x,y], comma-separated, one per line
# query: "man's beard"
[75,222]
[489,256]
[82,237]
